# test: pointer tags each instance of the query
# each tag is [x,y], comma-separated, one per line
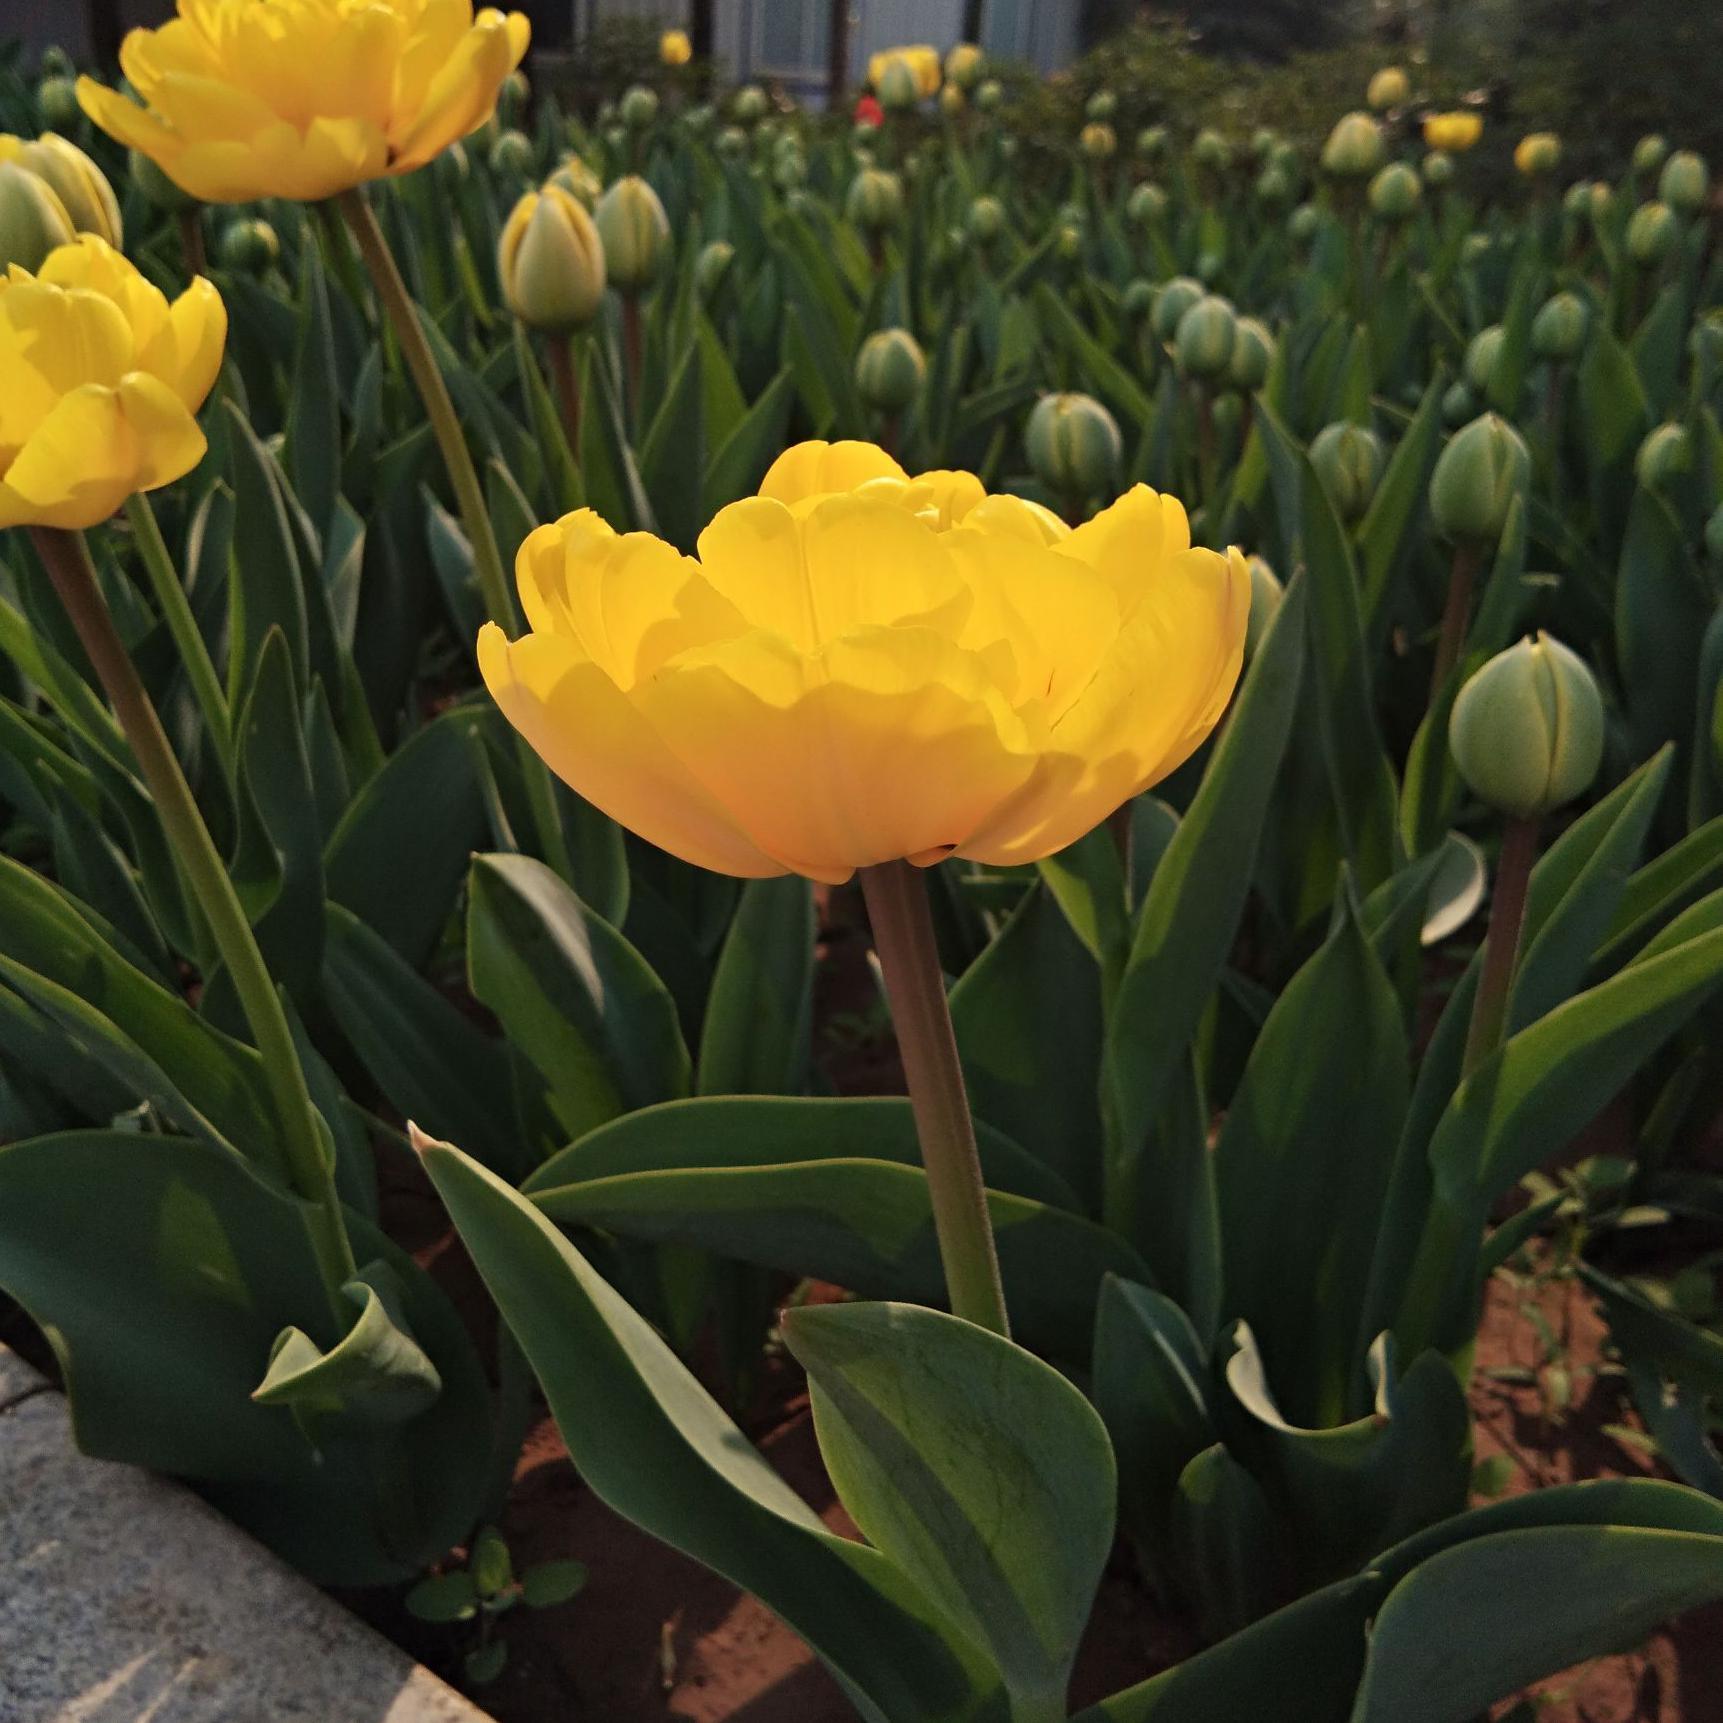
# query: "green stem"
[182,625]
[903,936]
[66,557]
[1502,947]
[463,476]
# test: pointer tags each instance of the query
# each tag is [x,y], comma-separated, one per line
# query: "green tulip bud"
[1008,147]
[1482,356]
[635,232]
[1074,445]
[511,156]
[1475,249]
[1263,143]
[638,109]
[57,101]
[156,188]
[1576,200]
[550,262]
[1176,298]
[1651,234]
[890,370]
[1348,461]
[731,143]
[606,115]
[986,220]
[964,66]
[1204,340]
[249,247]
[1304,223]
[989,95]
[1602,201]
[1685,182]
[898,91]
[1395,193]
[1650,153]
[700,119]
[1097,141]
[712,269]
[1459,405]
[1559,329]
[789,170]
[1138,299]
[56,63]
[875,201]
[32,219]
[1101,106]
[1664,458]
[1252,355]
[1152,143]
[750,104]
[1266,594]
[1068,243]
[1438,169]
[616,143]
[516,92]
[1147,205]
[1483,467]
[1527,730]
[579,181]
[452,168]
[1714,536]
[1273,190]
[1210,151]
[1354,149]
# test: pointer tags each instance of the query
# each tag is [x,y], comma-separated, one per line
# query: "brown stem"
[191,240]
[1502,947]
[1456,615]
[567,386]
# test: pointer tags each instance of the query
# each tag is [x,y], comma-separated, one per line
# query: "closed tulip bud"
[579,181]
[1475,249]
[750,104]
[635,232]
[1348,461]
[1478,474]
[712,269]
[1303,223]
[1388,89]
[1252,354]
[1558,330]
[989,96]
[1664,458]
[731,143]
[450,170]
[57,102]
[1210,151]
[789,170]
[1354,148]
[1068,243]
[1482,355]
[1272,188]
[1147,205]
[154,186]
[1175,299]
[616,142]
[250,247]
[1650,153]
[1651,234]
[890,370]
[1438,169]
[1152,143]
[898,91]
[1263,143]
[952,101]
[550,262]
[80,185]
[1395,193]
[1204,340]
[1576,200]
[1138,299]
[1527,730]
[1459,405]
[56,63]
[1538,154]
[1266,594]
[511,156]
[1008,147]
[986,220]
[1102,105]
[514,93]
[33,221]
[875,201]
[1074,445]
[638,109]
[964,66]
[1685,182]
[1714,536]
[1097,141]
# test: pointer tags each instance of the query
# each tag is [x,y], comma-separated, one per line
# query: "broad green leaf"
[1224,1535]
[757,1033]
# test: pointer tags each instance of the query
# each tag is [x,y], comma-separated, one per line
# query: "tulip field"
[945,884]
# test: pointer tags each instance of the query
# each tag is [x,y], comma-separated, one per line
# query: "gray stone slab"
[126,1599]
[16,1378]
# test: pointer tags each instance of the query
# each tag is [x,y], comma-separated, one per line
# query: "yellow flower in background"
[1452,133]
[302,99]
[1388,89]
[674,48]
[103,377]
[922,60]
[861,666]
[1537,153]
[80,187]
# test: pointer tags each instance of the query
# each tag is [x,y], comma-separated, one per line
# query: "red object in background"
[870,110]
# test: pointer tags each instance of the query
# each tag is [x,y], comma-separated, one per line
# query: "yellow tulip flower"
[301,99]
[1537,153]
[674,48]
[863,667]
[923,62]
[1452,133]
[103,376]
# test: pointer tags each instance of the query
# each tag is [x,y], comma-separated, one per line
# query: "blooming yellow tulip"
[922,60]
[863,667]
[102,379]
[674,48]
[305,98]
[1452,133]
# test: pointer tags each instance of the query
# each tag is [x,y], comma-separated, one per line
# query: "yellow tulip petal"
[1017,517]
[167,440]
[813,468]
[1130,538]
[594,739]
[460,96]
[77,467]
[186,353]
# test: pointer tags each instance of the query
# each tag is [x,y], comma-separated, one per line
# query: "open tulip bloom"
[862,667]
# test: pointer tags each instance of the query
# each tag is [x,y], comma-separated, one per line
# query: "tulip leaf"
[756,1035]
[1386,530]
[739,462]
[673,453]
[267,588]
[1223,1536]
[978,1470]
[312,449]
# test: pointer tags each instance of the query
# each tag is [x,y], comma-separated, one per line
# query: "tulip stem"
[191,244]
[182,625]
[463,476]
[1456,615]
[915,986]
[567,384]
[66,557]
[1502,945]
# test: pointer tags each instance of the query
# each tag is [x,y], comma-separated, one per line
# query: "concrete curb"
[126,1599]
